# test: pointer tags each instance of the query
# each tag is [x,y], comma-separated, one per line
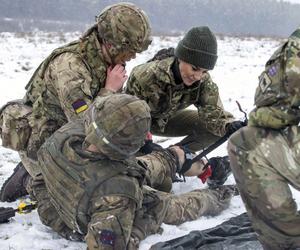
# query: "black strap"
[187,162]
[211,147]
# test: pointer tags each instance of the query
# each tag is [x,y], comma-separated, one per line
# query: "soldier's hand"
[115,78]
[149,146]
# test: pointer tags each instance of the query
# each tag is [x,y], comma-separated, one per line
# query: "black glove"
[149,147]
[234,126]
[220,168]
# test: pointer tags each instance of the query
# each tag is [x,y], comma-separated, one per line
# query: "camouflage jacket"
[83,175]
[277,98]
[154,82]
[63,86]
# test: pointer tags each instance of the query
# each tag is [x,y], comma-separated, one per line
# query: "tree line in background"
[234,17]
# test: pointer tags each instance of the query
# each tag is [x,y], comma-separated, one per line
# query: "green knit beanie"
[198,47]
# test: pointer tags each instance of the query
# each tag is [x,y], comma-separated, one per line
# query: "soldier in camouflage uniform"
[170,83]
[69,79]
[265,155]
[92,185]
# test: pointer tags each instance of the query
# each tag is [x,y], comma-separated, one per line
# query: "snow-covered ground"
[240,62]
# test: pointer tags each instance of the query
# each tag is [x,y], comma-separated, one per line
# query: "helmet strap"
[106,53]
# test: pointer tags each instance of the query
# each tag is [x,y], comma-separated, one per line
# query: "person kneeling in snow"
[175,79]
[265,154]
[91,184]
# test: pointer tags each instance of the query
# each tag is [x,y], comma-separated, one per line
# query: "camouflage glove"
[220,170]
[234,126]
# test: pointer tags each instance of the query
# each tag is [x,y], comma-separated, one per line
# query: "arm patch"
[107,237]
[264,82]
[79,106]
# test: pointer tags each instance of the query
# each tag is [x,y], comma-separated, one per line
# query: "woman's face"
[190,73]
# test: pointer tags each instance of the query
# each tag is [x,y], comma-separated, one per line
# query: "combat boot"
[15,186]
[220,170]
[231,189]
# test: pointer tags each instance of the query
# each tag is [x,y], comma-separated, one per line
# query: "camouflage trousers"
[264,163]
[187,123]
[117,223]
[158,207]
[161,170]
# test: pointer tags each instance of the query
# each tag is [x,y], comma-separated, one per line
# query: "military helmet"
[117,125]
[125,26]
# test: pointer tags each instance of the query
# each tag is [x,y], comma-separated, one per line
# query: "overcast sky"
[293,1]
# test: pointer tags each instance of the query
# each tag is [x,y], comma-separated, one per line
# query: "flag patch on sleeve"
[79,106]
[272,71]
